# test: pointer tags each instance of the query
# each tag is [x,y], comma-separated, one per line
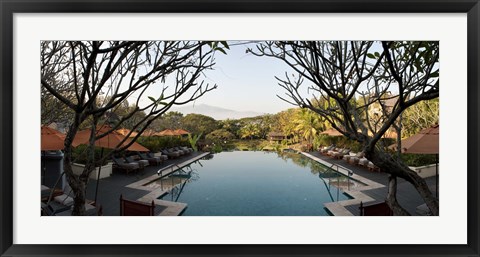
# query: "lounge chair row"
[127,164]
[61,204]
[137,161]
[348,156]
[176,152]
[360,160]
[141,160]
[335,152]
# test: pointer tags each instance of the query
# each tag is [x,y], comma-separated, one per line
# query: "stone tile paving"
[111,188]
[407,196]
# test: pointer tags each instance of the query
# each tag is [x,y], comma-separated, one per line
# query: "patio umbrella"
[331,132]
[111,141]
[167,132]
[181,132]
[424,142]
[51,139]
[125,132]
[149,133]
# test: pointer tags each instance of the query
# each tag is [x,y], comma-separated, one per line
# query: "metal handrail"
[349,173]
[159,172]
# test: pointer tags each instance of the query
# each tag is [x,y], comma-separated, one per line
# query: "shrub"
[80,154]
[155,143]
[219,135]
[417,160]
[193,141]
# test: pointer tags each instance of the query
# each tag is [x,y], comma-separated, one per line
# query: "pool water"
[247,183]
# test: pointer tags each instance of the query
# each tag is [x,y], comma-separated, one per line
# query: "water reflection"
[328,176]
[334,182]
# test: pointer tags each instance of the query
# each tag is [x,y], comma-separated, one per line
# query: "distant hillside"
[217,113]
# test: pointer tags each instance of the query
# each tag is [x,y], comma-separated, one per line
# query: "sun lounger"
[64,199]
[187,148]
[56,209]
[159,155]
[121,164]
[46,192]
[52,208]
[340,154]
[170,154]
[353,159]
[172,150]
[423,210]
[326,149]
[363,162]
[184,150]
[373,167]
[336,151]
[152,160]
[143,163]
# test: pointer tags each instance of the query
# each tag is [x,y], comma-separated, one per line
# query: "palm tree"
[250,131]
[308,124]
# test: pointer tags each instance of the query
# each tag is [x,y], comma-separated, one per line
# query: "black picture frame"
[9,8]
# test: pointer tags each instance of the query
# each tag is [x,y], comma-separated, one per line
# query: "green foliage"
[250,145]
[215,45]
[170,120]
[419,116]
[217,148]
[307,124]
[250,131]
[340,141]
[233,126]
[80,154]
[193,140]
[155,143]
[199,124]
[219,135]
[417,160]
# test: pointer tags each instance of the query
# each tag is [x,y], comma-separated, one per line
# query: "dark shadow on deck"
[111,188]
[407,195]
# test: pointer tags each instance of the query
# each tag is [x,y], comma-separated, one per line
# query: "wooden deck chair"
[136,208]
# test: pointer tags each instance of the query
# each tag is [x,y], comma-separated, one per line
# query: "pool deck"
[372,189]
[375,188]
[132,186]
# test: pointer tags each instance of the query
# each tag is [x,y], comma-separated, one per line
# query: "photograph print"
[239,128]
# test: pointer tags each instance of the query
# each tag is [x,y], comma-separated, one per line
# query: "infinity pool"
[245,183]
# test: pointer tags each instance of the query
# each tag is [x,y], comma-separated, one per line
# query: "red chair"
[378,209]
[135,208]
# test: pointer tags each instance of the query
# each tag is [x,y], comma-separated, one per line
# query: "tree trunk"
[392,198]
[390,166]
[77,183]
[79,203]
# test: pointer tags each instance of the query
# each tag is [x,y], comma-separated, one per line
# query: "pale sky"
[245,82]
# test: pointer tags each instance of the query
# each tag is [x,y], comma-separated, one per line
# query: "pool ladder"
[349,173]
[160,172]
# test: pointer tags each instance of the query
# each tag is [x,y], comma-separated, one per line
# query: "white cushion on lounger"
[364,161]
[64,199]
[423,210]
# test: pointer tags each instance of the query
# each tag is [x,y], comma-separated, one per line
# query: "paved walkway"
[375,191]
[119,183]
